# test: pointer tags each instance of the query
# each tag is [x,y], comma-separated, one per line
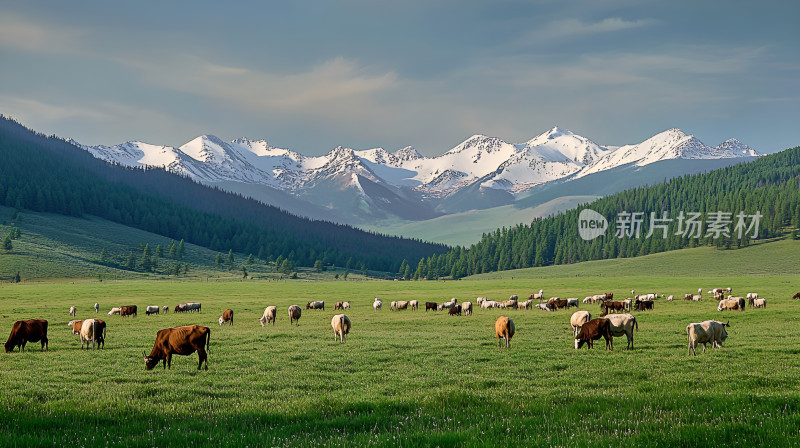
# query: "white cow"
[151,309]
[760,303]
[712,331]
[96,308]
[377,304]
[623,324]
[578,319]
[341,326]
[166,309]
[270,313]
[414,304]
[193,306]
[72,311]
[88,332]
[466,308]
[115,310]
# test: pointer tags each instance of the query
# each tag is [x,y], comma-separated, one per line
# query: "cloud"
[574,28]
[19,34]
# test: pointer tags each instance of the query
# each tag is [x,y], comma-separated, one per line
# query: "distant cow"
[377,305]
[728,304]
[643,305]
[294,314]
[336,306]
[455,311]
[90,331]
[76,326]
[96,308]
[572,302]
[760,303]
[414,304]
[24,331]
[341,326]
[592,331]
[466,308]
[115,310]
[166,309]
[399,305]
[317,305]
[712,331]
[99,332]
[609,306]
[72,311]
[557,303]
[431,306]
[129,310]
[796,296]
[504,329]
[151,310]
[270,313]
[179,341]
[537,296]
[193,306]
[180,308]
[227,316]
[345,305]
[577,320]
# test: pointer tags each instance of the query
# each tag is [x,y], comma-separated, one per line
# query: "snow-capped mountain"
[377,182]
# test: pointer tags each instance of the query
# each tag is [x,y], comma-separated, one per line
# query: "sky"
[311,75]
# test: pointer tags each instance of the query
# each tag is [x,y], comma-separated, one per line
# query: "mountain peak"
[408,153]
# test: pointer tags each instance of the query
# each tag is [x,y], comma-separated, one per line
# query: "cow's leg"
[203,357]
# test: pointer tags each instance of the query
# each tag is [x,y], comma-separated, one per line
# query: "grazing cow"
[729,304]
[578,319]
[466,308]
[115,310]
[400,305]
[294,314]
[490,304]
[760,303]
[504,328]
[480,300]
[448,305]
[227,316]
[129,310]
[431,306]
[72,311]
[742,303]
[179,341]
[537,296]
[345,305]
[796,296]
[90,331]
[623,324]
[377,305]
[526,305]
[670,297]
[270,314]
[414,304]
[643,305]
[317,305]
[151,310]
[96,308]
[341,326]
[592,331]
[687,296]
[24,331]
[697,297]
[455,311]
[546,306]
[627,304]
[193,306]
[336,306]
[76,326]
[557,303]
[572,302]
[615,306]
[165,308]
[712,331]
[751,296]
[180,308]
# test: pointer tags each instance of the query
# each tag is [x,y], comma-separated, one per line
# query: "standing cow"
[341,326]
[91,331]
[72,311]
[294,314]
[712,331]
[179,341]
[504,329]
[270,313]
[96,308]
[24,331]
[227,316]
[151,310]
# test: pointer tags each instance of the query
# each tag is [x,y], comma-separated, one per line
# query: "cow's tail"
[208,340]
[94,332]
[104,336]
[635,323]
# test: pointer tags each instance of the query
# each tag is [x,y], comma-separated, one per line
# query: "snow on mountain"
[496,164]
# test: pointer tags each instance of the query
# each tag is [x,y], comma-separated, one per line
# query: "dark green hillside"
[769,185]
[47,174]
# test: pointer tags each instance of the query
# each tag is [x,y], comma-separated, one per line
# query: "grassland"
[416,378]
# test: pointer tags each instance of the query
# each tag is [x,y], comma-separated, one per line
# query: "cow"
[96,308]
[345,305]
[537,296]
[115,310]
[796,296]
[414,304]
[336,306]
[627,304]
[572,302]
[179,341]
[24,331]
[90,331]
[316,305]
[643,305]
[401,305]
[557,303]
[193,306]
[294,314]
[742,304]
[614,306]
[728,304]
[129,310]
[751,297]
[377,305]
[594,330]
[448,305]
[712,331]
[455,311]
[165,308]
[670,297]
[504,329]
[151,310]
[431,306]
[623,324]
[72,311]
[227,316]
[466,308]
[526,305]
[76,326]
[577,320]
[341,326]
[270,314]
[180,308]
[760,303]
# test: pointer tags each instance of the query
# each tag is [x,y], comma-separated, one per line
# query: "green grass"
[405,378]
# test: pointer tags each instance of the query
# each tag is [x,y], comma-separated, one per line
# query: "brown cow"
[615,306]
[796,296]
[594,330]
[24,331]
[504,328]
[337,306]
[294,314]
[431,306]
[557,303]
[128,311]
[227,316]
[455,311]
[179,341]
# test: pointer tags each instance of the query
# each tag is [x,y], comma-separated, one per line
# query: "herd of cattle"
[614,320]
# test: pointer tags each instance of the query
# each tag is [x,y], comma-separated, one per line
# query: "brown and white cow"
[92,331]
[341,326]
[227,316]
[294,314]
[179,341]
[24,331]
[317,305]
[504,329]
[337,306]
[594,330]
[760,303]
[151,309]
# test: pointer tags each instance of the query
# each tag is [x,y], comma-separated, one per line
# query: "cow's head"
[579,343]
[9,347]
[149,361]
[221,320]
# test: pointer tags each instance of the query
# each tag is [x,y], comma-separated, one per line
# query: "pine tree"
[181,250]
[16,233]
[7,243]
[218,259]
[103,255]
[318,266]
[159,251]
[244,272]
[230,256]
[147,261]
[131,262]
[172,250]
[250,259]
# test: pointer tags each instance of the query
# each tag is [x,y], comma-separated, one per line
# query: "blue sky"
[311,75]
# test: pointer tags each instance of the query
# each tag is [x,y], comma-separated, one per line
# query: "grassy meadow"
[415,378]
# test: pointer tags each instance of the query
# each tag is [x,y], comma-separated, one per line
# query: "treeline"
[769,186]
[47,174]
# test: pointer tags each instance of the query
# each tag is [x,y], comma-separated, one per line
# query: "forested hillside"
[47,174]
[769,185]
